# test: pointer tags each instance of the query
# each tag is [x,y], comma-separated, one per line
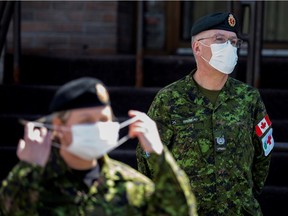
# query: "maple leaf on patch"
[263,125]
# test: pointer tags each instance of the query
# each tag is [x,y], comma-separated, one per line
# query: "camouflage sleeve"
[19,191]
[173,194]
[159,112]
[262,156]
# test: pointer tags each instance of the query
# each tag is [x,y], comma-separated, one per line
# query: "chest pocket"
[191,143]
[239,132]
[238,135]
[192,128]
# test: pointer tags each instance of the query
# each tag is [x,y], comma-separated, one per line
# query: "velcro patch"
[268,142]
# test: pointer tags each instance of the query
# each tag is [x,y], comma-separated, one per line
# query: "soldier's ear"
[196,48]
[57,123]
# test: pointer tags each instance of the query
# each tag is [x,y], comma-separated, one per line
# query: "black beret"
[224,21]
[80,93]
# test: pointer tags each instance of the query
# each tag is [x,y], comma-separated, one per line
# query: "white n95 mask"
[224,57]
[92,141]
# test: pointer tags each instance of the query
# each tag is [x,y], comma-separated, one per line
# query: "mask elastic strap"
[128,122]
[123,140]
[202,56]
[203,44]
[125,124]
[204,59]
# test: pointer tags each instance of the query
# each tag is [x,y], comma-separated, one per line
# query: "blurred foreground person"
[64,168]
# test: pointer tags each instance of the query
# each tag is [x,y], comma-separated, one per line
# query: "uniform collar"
[196,96]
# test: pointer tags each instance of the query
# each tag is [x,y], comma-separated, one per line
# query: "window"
[275,25]
[167,24]
[154,25]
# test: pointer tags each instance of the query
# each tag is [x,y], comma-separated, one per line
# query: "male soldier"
[216,127]
[77,177]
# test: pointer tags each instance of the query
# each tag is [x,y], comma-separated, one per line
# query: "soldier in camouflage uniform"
[215,126]
[78,178]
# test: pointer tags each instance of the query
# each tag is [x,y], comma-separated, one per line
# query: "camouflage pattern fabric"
[120,190]
[216,146]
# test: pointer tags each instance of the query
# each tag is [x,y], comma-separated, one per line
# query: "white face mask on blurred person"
[224,57]
[92,141]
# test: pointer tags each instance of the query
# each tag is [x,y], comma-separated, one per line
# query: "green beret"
[224,21]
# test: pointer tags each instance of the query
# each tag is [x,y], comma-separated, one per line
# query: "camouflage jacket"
[119,190]
[224,149]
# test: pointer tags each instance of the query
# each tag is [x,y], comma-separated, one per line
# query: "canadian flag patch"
[262,126]
[268,142]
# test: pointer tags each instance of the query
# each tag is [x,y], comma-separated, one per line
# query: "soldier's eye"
[220,39]
[234,42]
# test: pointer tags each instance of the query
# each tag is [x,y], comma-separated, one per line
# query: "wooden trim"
[172,26]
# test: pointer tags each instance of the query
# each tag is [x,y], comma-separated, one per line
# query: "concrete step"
[49,70]
[276,102]
[119,70]
[280,130]
[277,174]
[273,201]
[31,99]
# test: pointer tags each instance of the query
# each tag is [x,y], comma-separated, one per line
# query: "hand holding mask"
[145,129]
[89,141]
[36,146]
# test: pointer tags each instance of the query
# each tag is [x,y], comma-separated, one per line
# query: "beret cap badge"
[102,93]
[231,20]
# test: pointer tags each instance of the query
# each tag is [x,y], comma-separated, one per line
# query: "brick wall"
[68,28]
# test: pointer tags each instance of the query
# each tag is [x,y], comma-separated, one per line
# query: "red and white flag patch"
[262,126]
[268,142]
